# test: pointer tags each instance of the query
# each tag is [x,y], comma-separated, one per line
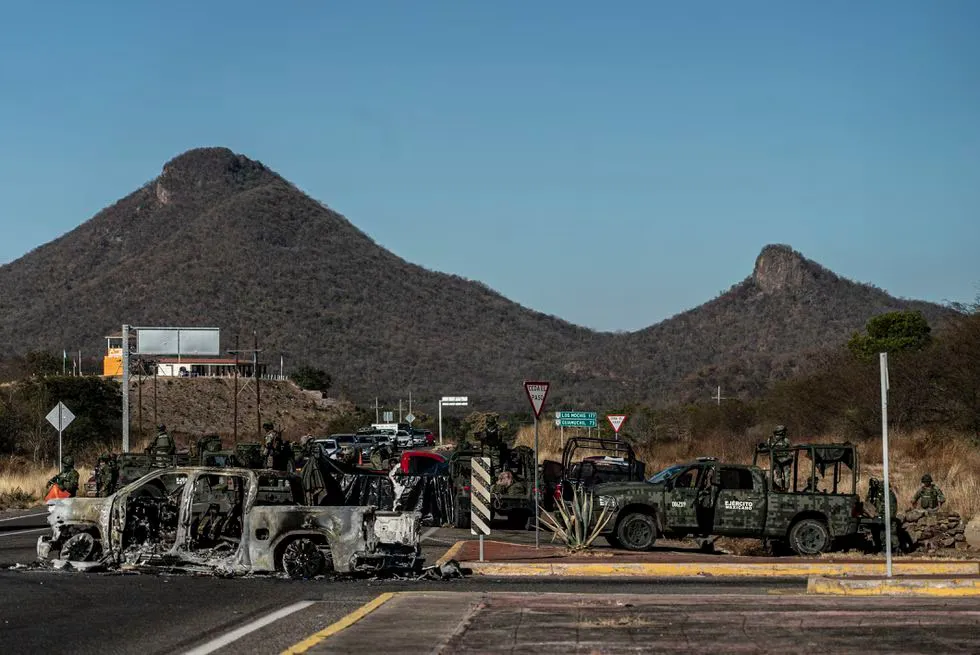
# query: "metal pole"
[155,394]
[258,397]
[399,410]
[883,357]
[60,422]
[440,421]
[481,546]
[235,404]
[562,431]
[536,504]
[125,388]
[281,376]
[139,400]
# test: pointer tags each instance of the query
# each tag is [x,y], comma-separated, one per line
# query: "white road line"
[11,534]
[25,516]
[235,635]
[428,533]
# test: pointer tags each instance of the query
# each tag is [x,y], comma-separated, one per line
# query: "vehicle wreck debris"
[228,521]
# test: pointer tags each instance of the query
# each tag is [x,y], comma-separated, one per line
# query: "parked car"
[328,445]
[231,520]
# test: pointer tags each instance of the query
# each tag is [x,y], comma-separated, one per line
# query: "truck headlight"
[608,501]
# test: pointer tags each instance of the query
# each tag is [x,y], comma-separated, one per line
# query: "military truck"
[515,502]
[804,496]
[611,460]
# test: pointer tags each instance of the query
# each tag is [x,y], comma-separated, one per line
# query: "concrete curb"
[716,569]
[894,586]
[341,624]
[451,553]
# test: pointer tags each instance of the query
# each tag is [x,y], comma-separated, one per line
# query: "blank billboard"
[178,341]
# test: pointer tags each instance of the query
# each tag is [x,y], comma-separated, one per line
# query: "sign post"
[883,357]
[480,498]
[60,417]
[616,421]
[450,401]
[536,393]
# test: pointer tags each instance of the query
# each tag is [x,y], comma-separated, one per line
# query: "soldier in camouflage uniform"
[782,464]
[67,480]
[929,496]
[347,455]
[380,455]
[103,475]
[163,449]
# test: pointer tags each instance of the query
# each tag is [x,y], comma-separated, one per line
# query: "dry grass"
[951,459]
[26,487]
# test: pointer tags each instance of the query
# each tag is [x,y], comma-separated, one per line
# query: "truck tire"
[303,558]
[809,537]
[461,519]
[636,531]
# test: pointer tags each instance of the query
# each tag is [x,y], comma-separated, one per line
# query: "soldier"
[113,474]
[163,449]
[929,496]
[380,455]
[347,455]
[273,444]
[783,462]
[876,498]
[67,480]
[102,475]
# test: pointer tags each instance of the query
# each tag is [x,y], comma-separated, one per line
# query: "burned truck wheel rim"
[810,537]
[78,548]
[303,559]
[637,532]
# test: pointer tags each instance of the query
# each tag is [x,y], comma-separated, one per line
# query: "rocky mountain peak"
[780,268]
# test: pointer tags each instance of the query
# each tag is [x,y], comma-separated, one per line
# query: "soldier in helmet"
[163,449]
[67,480]
[929,496]
[380,455]
[102,475]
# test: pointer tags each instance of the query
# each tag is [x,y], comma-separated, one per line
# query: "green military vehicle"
[804,496]
[515,501]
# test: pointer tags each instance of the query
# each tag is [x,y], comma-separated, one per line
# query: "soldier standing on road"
[929,496]
[102,475]
[67,480]
[380,455]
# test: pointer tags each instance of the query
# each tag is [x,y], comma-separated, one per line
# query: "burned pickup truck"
[231,521]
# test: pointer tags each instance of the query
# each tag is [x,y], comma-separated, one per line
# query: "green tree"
[312,379]
[40,363]
[904,331]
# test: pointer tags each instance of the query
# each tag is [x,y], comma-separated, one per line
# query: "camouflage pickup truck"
[802,495]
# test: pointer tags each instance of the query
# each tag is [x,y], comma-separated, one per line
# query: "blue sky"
[610,163]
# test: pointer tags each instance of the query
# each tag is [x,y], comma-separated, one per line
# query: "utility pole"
[377,416]
[125,388]
[255,375]
[718,397]
[399,410]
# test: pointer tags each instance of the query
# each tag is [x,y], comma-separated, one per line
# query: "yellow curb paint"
[341,624]
[452,553]
[946,587]
[690,569]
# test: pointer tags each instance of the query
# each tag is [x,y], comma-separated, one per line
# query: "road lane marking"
[25,516]
[235,635]
[341,624]
[12,534]
[428,533]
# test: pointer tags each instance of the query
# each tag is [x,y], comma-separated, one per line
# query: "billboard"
[178,341]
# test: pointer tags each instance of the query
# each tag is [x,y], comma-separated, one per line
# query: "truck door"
[741,505]
[679,505]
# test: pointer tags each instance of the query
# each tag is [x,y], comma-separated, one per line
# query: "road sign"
[410,418]
[454,401]
[388,417]
[616,421]
[60,417]
[480,498]
[576,420]
[536,393]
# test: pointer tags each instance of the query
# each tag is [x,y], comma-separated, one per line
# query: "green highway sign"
[576,419]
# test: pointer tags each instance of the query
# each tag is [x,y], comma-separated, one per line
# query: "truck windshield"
[667,473]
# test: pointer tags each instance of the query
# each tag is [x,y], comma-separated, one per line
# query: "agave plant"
[573,522]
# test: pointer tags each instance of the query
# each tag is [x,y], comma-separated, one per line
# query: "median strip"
[715,569]
[953,587]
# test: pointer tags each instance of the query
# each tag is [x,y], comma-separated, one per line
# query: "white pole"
[535,494]
[125,388]
[281,376]
[884,460]
[60,456]
[440,421]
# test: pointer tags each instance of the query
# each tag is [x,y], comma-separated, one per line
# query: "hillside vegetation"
[221,240]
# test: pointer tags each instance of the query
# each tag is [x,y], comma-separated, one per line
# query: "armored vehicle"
[804,495]
[588,461]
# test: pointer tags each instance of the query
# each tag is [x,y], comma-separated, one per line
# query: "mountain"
[221,240]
